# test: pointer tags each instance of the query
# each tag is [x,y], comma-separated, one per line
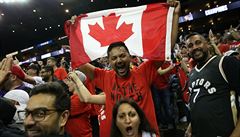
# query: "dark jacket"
[10,132]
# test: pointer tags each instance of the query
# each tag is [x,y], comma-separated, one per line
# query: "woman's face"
[70,84]
[127,120]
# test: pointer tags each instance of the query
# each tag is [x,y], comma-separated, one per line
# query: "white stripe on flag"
[168,34]
[131,15]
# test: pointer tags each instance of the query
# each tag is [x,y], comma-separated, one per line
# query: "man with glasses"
[47,111]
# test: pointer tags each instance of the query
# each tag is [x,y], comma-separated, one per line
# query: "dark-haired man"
[47,111]
[123,82]
[213,109]
[47,74]
[32,76]
[59,72]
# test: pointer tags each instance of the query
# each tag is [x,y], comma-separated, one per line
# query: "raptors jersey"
[211,114]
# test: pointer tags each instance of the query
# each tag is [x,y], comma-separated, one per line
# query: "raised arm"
[166,70]
[88,70]
[176,14]
[83,92]
[5,67]
[23,76]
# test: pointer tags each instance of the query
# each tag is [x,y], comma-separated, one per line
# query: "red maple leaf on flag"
[110,33]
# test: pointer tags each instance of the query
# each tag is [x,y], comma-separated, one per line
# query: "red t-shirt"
[78,124]
[60,73]
[96,110]
[91,87]
[136,86]
[223,48]
[102,121]
[162,81]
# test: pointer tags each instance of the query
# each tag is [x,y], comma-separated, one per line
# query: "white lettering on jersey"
[196,85]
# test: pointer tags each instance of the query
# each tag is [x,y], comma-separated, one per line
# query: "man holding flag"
[155,35]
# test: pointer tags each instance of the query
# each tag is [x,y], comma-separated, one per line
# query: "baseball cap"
[34,67]
[18,95]
[81,75]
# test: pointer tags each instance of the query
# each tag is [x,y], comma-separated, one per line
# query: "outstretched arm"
[88,70]
[83,92]
[23,76]
[166,70]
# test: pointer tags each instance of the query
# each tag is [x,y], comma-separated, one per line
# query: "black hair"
[52,58]
[34,67]
[62,101]
[194,33]
[48,69]
[7,111]
[144,124]
[116,44]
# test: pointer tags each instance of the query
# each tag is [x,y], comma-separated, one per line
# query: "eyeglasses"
[38,114]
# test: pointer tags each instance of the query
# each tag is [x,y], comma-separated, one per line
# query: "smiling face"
[120,59]
[51,124]
[45,75]
[128,120]
[198,48]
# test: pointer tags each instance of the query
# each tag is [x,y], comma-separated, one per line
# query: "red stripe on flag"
[154,25]
[154,21]
[78,54]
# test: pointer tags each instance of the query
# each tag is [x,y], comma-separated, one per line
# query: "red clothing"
[136,86]
[183,82]
[102,122]
[60,73]
[96,110]
[162,81]
[91,87]
[223,48]
[78,124]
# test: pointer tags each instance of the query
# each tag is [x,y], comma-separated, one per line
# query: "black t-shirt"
[231,67]
[210,97]
[10,132]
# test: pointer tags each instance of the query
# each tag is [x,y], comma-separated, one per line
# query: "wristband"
[16,70]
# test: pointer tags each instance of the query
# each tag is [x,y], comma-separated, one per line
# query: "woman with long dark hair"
[128,119]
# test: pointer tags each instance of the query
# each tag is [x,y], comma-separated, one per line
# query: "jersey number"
[197,92]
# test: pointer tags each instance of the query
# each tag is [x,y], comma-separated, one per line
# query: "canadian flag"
[146,31]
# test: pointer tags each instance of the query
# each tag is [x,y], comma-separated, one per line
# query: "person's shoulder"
[10,132]
[148,134]
[146,63]
[230,60]
[60,69]
[38,80]
[65,135]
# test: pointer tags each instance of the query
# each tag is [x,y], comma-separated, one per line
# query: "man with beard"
[210,86]
[123,82]
[59,72]
[47,74]
[47,111]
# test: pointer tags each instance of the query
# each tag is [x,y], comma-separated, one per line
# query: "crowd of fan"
[42,89]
